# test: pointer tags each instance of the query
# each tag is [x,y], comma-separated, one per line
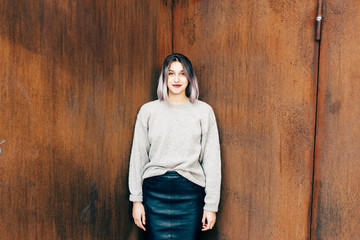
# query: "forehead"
[176,66]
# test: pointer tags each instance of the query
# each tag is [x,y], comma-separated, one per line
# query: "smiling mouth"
[176,85]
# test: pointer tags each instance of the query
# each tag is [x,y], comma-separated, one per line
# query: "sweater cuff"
[134,198]
[211,207]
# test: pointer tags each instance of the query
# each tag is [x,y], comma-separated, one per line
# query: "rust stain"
[335,107]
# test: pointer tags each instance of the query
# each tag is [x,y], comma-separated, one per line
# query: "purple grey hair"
[192,90]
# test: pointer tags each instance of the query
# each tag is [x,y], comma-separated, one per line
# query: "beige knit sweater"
[182,138]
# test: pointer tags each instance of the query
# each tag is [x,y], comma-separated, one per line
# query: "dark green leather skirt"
[173,207]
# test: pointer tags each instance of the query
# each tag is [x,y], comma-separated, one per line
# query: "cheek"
[171,78]
[185,81]
[168,82]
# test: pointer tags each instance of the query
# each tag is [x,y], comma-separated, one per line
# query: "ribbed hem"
[133,198]
[210,208]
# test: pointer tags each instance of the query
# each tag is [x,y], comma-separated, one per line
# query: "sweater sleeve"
[211,163]
[138,158]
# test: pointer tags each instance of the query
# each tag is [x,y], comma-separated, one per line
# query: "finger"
[203,219]
[208,226]
[142,227]
[205,228]
[139,224]
[143,218]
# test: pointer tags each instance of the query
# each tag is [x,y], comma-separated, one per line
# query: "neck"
[178,99]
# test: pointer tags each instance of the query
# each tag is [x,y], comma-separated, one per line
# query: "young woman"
[175,167]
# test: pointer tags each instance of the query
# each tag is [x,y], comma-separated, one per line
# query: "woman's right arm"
[139,157]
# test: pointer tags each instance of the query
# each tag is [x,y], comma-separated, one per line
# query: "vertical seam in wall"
[172,26]
[315,133]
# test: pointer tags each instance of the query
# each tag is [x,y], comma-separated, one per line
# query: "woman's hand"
[139,215]
[208,220]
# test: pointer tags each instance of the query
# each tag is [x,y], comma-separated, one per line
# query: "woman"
[175,167]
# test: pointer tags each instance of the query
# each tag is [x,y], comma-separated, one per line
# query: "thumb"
[203,219]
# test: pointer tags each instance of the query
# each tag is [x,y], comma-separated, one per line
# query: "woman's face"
[177,81]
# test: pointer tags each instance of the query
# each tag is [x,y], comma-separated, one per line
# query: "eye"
[183,73]
[170,73]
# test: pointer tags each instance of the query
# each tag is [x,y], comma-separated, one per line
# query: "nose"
[177,79]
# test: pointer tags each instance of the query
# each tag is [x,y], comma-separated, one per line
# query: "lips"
[176,85]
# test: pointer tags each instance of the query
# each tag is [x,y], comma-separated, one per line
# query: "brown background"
[336,205]
[73,75]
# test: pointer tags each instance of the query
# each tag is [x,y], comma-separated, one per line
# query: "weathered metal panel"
[256,62]
[72,77]
[336,206]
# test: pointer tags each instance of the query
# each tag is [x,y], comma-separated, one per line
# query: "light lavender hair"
[192,90]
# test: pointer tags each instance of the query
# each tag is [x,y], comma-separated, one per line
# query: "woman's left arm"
[211,163]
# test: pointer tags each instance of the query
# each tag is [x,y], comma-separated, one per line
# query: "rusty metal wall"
[74,73]
[256,62]
[72,77]
[336,206]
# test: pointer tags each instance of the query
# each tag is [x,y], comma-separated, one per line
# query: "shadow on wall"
[70,34]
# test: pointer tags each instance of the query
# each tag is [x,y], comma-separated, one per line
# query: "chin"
[177,93]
